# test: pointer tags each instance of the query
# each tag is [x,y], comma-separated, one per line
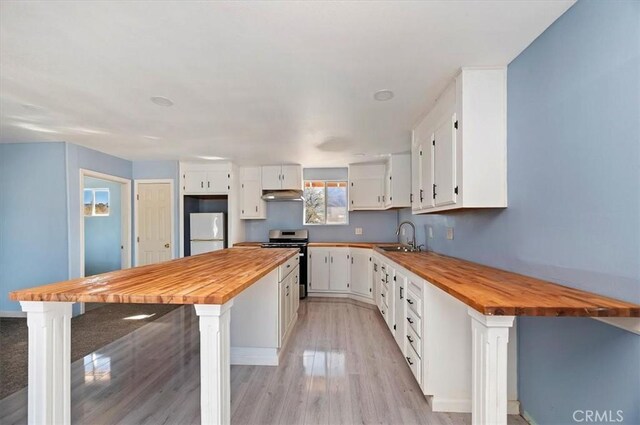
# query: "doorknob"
[166,245]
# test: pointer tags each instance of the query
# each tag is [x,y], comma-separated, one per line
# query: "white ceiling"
[256,82]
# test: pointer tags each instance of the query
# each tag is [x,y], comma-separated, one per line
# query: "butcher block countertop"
[211,278]
[368,245]
[498,292]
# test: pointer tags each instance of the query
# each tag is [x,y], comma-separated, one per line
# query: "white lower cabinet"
[339,271]
[289,301]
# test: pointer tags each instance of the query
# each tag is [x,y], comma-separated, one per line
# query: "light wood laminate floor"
[341,366]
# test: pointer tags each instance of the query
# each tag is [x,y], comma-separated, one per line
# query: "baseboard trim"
[254,356]
[13,314]
[341,295]
[452,405]
[527,417]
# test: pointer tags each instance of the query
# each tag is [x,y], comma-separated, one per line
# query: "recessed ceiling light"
[359,154]
[383,95]
[211,158]
[162,101]
[86,130]
[151,137]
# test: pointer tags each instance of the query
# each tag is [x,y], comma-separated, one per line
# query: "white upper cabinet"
[210,179]
[277,177]
[380,186]
[398,187]
[460,146]
[251,204]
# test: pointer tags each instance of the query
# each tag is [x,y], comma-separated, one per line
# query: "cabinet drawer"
[415,364]
[415,286]
[414,341]
[414,303]
[287,267]
[414,321]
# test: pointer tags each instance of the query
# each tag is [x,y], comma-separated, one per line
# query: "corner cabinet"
[340,271]
[251,204]
[459,149]
[281,177]
[380,186]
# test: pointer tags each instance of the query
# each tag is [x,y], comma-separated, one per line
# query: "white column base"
[490,336]
[215,365]
[49,392]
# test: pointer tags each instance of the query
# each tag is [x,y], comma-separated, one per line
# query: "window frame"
[93,201]
[304,206]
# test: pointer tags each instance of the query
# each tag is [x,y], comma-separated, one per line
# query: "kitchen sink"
[399,249]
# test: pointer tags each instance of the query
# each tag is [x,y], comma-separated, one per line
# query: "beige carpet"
[90,331]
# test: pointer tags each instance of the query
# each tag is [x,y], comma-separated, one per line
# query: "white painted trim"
[215,366]
[630,324]
[11,313]
[49,382]
[448,405]
[347,295]
[489,389]
[126,211]
[527,417]
[256,356]
[136,182]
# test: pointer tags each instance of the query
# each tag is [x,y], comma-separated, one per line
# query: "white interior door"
[154,223]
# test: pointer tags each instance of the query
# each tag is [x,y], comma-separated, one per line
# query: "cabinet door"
[218,181]
[426,174]
[360,278]
[319,265]
[375,279]
[339,270]
[400,283]
[391,298]
[195,182]
[416,178]
[445,163]
[271,177]
[282,308]
[388,193]
[296,290]
[251,201]
[366,193]
[291,177]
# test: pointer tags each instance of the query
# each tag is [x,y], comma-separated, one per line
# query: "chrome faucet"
[412,242]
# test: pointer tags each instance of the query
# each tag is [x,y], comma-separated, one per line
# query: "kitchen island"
[209,281]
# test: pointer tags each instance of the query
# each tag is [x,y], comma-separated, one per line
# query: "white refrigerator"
[206,232]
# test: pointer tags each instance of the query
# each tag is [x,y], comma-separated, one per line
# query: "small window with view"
[325,202]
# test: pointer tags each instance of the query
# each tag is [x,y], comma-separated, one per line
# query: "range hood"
[282,195]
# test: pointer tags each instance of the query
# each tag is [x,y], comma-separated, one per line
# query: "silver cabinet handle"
[256,208]
[409,338]
[201,184]
[409,301]
[409,360]
[208,184]
[410,320]
[401,288]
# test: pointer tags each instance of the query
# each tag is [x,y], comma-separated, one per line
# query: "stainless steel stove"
[292,239]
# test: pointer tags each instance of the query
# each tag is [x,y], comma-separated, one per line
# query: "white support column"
[490,336]
[49,392]
[215,365]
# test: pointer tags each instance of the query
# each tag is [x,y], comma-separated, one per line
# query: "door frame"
[125,208]
[137,182]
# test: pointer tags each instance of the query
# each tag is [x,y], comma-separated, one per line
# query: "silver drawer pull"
[410,339]
[409,360]
[410,320]
[410,301]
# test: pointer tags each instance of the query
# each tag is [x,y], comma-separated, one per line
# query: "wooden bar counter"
[210,281]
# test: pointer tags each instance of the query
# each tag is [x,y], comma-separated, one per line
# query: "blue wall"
[574,207]
[377,226]
[33,217]
[162,170]
[102,234]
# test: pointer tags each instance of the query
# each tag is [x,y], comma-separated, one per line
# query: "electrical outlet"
[358,230]
[430,232]
[450,233]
